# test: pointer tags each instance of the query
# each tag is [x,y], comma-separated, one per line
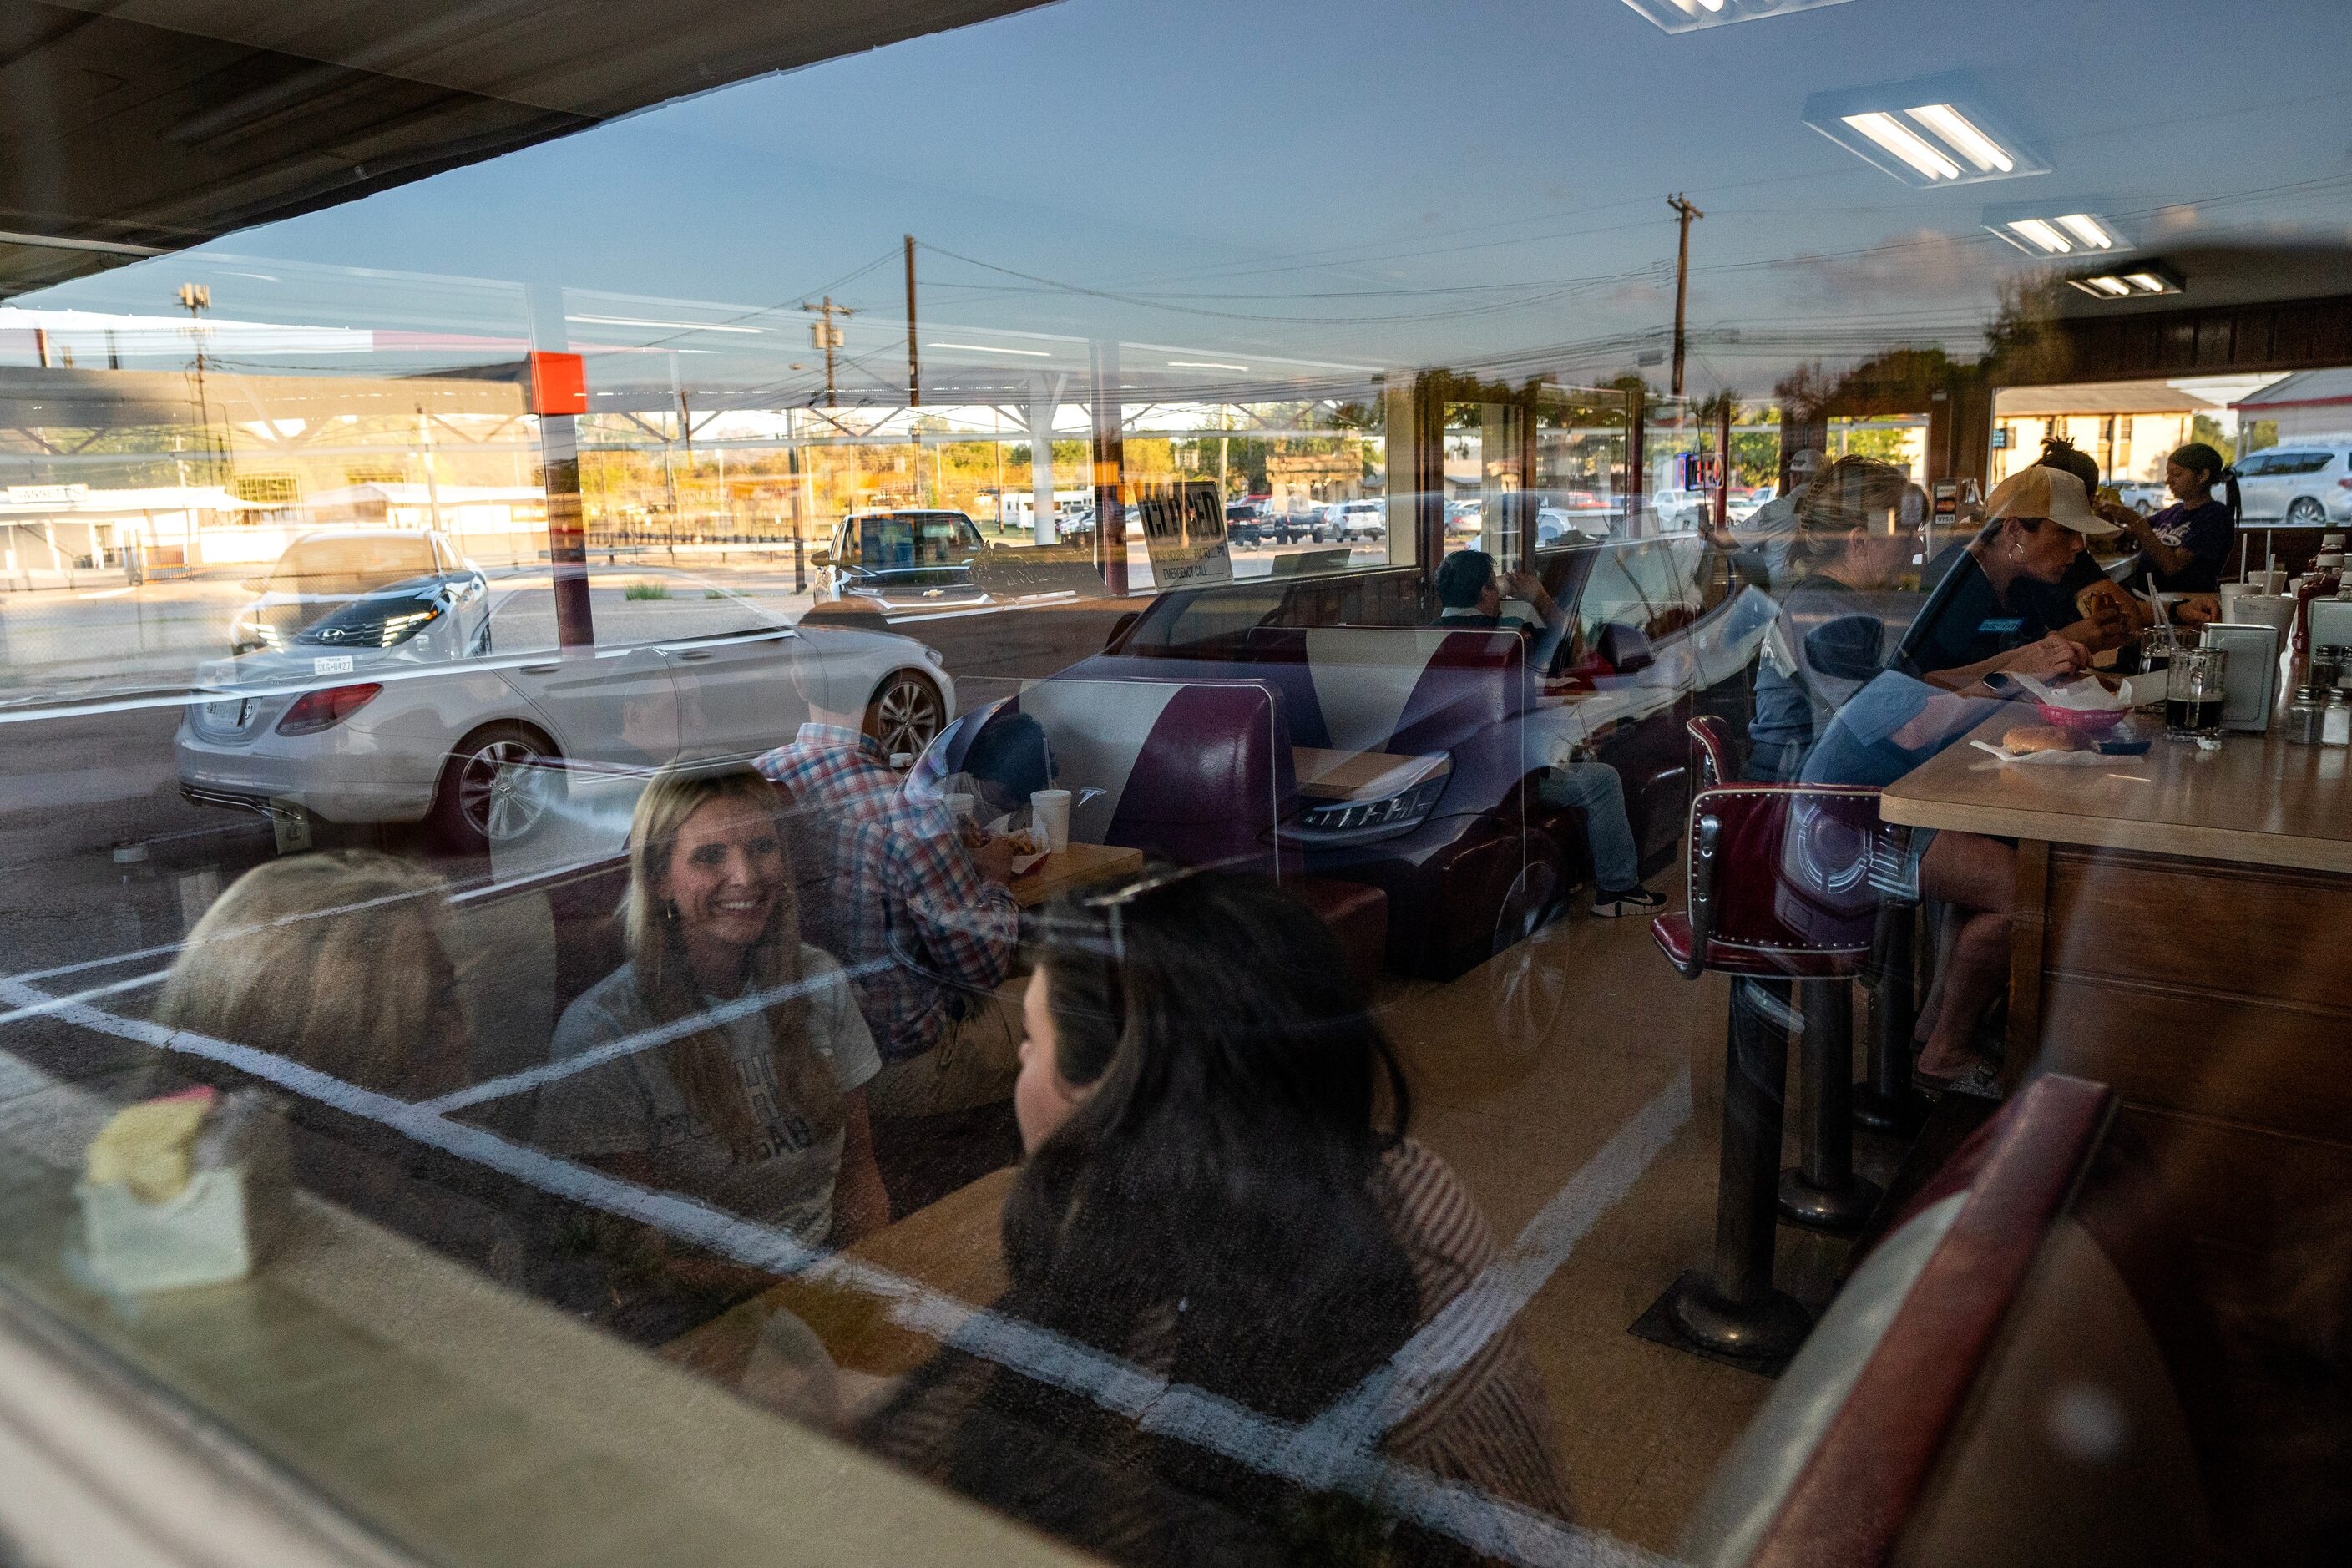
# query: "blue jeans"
[1594,789]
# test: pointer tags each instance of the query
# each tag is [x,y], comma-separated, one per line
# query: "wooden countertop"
[2255,802]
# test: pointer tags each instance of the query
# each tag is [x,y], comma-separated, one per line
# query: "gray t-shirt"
[631,1106]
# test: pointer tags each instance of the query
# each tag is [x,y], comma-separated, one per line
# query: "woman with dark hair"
[2187,542]
[1208,1196]
[758,1107]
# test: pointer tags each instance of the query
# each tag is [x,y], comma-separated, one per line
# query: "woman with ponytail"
[2187,542]
[748,1089]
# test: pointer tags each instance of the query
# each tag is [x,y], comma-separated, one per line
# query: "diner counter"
[2177,934]
[2257,801]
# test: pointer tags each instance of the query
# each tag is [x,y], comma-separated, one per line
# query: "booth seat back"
[1390,688]
[1197,773]
[1985,1389]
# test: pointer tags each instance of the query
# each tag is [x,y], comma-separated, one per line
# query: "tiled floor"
[1641,1426]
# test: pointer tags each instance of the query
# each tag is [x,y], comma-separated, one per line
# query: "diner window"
[1211,784]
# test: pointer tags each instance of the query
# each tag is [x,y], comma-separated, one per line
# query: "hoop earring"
[669,910]
[2016,550]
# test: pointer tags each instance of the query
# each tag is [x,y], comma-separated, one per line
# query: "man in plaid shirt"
[925,923]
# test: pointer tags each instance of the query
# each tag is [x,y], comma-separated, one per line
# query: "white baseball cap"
[2052,493]
[1805,461]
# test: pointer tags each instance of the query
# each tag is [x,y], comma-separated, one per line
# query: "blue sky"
[1386,183]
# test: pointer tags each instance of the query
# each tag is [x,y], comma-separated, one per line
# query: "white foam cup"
[1049,810]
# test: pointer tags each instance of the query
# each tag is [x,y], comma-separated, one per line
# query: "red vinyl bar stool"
[1784,892]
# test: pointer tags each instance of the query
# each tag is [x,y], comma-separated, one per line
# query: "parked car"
[322,571]
[1254,523]
[1465,520]
[2146,497]
[1355,519]
[2305,484]
[904,558]
[395,710]
[1683,509]
[1555,526]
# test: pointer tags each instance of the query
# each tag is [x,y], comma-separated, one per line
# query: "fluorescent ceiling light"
[1973,145]
[994,349]
[1899,139]
[2112,287]
[2147,280]
[678,326]
[1690,16]
[2052,242]
[1204,365]
[2085,227]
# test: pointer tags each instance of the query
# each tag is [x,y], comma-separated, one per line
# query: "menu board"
[1184,532]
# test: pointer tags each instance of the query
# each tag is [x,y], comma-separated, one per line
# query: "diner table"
[2182,932]
[952,1247]
[1076,865]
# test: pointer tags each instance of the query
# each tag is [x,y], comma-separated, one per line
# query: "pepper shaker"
[2306,716]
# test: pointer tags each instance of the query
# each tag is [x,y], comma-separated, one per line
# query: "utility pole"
[914,362]
[195,298]
[1682,278]
[824,335]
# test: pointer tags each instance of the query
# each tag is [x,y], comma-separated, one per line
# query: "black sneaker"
[1627,901]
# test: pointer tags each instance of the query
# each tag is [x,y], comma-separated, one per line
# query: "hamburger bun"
[2024,738]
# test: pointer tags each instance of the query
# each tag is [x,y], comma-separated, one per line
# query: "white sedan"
[408,704]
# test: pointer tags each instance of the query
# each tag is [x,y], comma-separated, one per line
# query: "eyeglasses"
[1117,898]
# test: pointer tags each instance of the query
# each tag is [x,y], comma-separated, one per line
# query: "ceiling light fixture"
[1205,364]
[1689,15]
[2043,229]
[1954,127]
[676,326]
[1934,130]
[994,349]
[1905,143]
[2085,227]
[2140,283]
[2052,242]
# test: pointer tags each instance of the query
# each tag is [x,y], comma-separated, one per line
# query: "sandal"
[1979,1080]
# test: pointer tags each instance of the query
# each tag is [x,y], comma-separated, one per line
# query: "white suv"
[2305,484]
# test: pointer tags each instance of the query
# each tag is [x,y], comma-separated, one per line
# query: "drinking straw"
[2155,603]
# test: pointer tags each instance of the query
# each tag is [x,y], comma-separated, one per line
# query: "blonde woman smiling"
[762,1113]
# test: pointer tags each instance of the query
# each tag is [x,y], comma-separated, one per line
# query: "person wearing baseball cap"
[1983,616]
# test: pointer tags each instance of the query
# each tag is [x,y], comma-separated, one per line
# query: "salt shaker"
[2336,724]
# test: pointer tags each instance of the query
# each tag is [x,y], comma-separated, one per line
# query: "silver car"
[403,706]
[326,569]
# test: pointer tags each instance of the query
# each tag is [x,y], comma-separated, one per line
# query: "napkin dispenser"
[2250,685]
[2331,623]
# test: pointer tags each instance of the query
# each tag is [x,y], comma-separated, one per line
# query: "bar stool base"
[1759,1337]
[1837,1209]
[1901,1115]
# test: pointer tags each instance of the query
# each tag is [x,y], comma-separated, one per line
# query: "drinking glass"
[2193,693]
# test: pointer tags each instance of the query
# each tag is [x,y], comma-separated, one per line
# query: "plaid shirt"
[910,896]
